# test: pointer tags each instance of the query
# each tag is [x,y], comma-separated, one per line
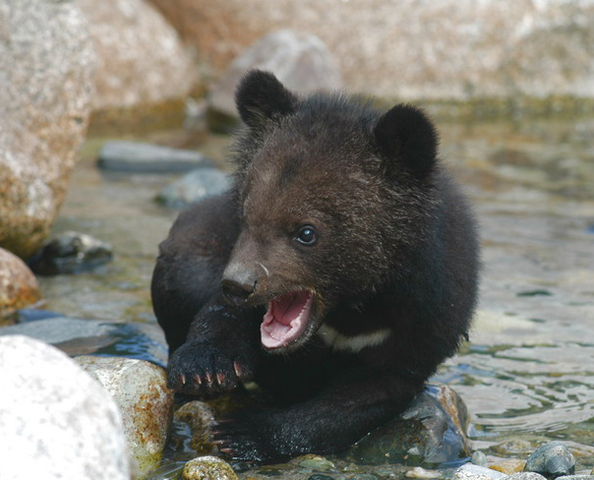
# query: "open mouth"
[286,319]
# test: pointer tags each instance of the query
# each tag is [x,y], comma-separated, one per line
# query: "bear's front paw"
[202,369]
[248,437]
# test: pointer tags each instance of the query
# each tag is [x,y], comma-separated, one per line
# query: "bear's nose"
[237,292]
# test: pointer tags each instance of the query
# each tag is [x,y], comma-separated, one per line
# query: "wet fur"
[397,252]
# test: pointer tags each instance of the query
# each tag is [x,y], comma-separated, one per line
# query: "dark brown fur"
[396,252]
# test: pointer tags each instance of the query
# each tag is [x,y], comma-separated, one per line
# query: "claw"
[228,451]
[218,442]
[220,378]
[182,379]
[209,378]
[237,368]
[198,379]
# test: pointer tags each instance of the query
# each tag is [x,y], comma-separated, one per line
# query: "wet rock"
[316,463]
[208,468]
[508,466]
[300,61]
[479,458]
[363,476]
[535,48]
[141,58]
[551,460]
[513,447]
[474,472]
[431,432]
[56,421]
[320,476]
[80,337]
[18,286]
[140,391]
[46,68]
[199,416]
[193,187]
[420,472]
[71,252]
[137,157]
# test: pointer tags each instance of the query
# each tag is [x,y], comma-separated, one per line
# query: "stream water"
[528,371]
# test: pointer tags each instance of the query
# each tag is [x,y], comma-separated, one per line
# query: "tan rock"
[208,468]
[18,285]
[141,57]
[46,69]
[145,403]
[414,49]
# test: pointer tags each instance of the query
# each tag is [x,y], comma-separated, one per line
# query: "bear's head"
[334,198]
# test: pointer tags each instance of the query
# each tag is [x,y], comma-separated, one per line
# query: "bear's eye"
[306,235]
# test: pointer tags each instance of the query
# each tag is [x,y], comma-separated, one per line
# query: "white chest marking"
[338,341]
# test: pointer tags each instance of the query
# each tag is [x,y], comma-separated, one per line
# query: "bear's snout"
[238,284]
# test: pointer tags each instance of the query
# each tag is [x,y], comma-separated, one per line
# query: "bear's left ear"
[260,96]
[405,135]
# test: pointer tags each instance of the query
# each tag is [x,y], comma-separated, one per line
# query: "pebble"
[71,252]
[208,468]
[18,286]
[506,465]
[420,472]
[525,476]
[316,463]
[479,458]
[193,187]
[469,471]
[551,460]
[137,157]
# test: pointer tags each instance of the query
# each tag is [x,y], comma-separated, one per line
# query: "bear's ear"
[405,135]
[260,96]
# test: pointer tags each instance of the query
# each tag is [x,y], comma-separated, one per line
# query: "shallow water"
[528,371]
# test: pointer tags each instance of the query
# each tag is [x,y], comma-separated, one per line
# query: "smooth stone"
[138,157]
[552,460]
[320,476]
[420,472]
[56,421]
[300,61]
[80,337]
[430,432]
[140,55]
[140,391]
[508,466]
[576,477]
[469,471]
[47,64]
[71,252]
[199,416]
[479,458]
[195,186]
[18,286]
[208,468]
[363,476]
[316,463]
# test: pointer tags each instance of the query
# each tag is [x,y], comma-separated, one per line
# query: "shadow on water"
[528,372]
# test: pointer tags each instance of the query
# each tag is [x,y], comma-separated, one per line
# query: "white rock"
[56,422]
[470,471]
[145,403]
[208,468]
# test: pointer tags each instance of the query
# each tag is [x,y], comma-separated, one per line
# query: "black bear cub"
[337,273]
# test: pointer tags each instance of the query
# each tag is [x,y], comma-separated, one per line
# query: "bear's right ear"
[260,96]
[406,136]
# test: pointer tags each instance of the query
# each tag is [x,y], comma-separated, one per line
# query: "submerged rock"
[300,61]
[430,432]
[71,252]
[552,460]
[46,69]
[137,157]
[56,421]
[140,391]
[18,285]
[199,416]
[194,186]
[76,336]
[208,468]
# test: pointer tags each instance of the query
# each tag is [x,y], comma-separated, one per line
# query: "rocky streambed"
[526,375]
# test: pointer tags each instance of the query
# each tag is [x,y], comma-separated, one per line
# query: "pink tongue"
[285,319]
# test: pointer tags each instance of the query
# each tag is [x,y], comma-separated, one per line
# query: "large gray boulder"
[56,421]
[46,76]
[454,49]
